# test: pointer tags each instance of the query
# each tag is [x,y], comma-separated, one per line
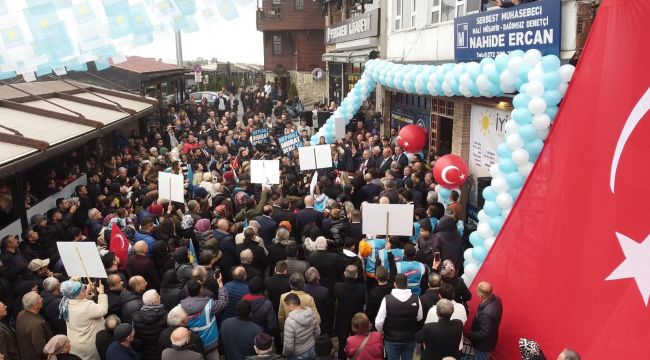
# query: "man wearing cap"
[263,345]
[121,349]
[39,271]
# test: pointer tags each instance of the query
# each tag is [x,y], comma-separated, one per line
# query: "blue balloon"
[504,151]
[455,87]
[485,61]
[493,76]
[491,208]
[479,253]
[532,158]
[475,239]
[438,88]
[496,223]
[495,89]
[550,63]
[501,62]
[551,80]
[521,101]
[534,147]
[515,180]
[514,193]
[552,97]
[474,73]
[444,193]
[507,166]
[528,132]
[521,115]
[523,72]
[551,111]
[448,66]
[522,88]
[489,194]
[517,53]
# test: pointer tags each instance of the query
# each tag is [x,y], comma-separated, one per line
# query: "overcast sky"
[236,41]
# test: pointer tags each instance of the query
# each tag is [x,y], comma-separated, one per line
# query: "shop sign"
[536,25]
[358,27]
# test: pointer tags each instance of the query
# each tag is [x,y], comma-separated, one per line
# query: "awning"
[43,119]
[359,56]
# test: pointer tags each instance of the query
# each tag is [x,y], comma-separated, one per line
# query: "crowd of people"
[242,270]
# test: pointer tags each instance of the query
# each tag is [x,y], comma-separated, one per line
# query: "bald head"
[484,290]
[137,283]
[141,248]
[384,200]
[180,337]
[114,282]
[223,225]
[309,201]
[239,273]
[568,354]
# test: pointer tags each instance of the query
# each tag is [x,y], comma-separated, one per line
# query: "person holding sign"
[84,317]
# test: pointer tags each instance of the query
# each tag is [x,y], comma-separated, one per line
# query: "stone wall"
[309,90]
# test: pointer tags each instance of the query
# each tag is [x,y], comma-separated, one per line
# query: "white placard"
[81,259]
[315,157]
[339,128]
[314,181]
[486,132]
[265,172]
[170,187]
[375,217]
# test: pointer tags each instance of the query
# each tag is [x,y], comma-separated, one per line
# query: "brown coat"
[32,333]
[8,345]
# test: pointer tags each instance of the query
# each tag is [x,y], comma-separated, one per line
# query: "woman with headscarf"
[83,317]
[58,348]
[448,273]
[202,231]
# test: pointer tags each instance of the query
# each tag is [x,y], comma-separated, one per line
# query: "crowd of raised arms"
[243,270]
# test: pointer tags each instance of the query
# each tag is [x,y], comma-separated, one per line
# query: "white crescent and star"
[639,110]
[443,173]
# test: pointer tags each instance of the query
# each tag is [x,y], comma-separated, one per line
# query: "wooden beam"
[23,141]
[51,114]
[123,95]
[95,103]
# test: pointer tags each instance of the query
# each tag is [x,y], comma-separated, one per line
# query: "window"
[413,12]
[300,4]
[277,45]
[277,2]
[445,10]
[398,14]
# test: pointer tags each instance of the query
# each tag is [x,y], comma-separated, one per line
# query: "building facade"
[293,32]
[441,31]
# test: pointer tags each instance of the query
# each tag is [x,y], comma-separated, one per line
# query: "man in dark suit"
[372,187]
[268,226]
[400,157]
[281,212]
[440,339]
[355,230]
[325,262]
[350,296]
[385,161]
[277,285]
[307,216]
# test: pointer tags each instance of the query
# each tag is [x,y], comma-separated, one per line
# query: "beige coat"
[305,301]
[85,320]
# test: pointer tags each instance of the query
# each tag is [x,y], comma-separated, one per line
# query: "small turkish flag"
[572,262]
[119,245]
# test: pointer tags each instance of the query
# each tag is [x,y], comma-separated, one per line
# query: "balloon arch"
[541,82]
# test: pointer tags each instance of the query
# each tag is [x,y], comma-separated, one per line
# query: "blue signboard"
[260,136]
[290,142]
[530,26]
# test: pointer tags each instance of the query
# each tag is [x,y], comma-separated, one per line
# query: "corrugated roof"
[142,65]
[53,115]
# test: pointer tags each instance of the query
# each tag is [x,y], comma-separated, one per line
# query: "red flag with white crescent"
[572,262]
[119,245]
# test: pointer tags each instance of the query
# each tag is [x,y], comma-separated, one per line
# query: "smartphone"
[217,272]
[436,256]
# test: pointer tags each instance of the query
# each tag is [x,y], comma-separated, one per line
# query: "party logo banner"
[290,142]
[260,136]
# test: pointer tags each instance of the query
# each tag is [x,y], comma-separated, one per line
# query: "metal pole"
[179,49]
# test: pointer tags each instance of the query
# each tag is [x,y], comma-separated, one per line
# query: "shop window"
[434,16]
[445,10]
[277,2]
[398,14]
[300,4]
[442,107]
[277,45]
[413,12]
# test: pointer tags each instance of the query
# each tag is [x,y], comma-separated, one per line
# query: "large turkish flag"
[571,265]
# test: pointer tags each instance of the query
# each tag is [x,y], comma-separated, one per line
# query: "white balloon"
[438,188]
[505,213]
[536,74]
[449,76]
[543,134]
[532,57]
[484,229]
[465,80]
[507,78]
[505,201]
[468,255]
[514,141]
[495,171]
[535,89]
[562,88]
[537,106]
[467,280]
[511,127]
[566,72]
[514,64]
[487,244]
[482,216]
[499,184]
[541,121]
[488,68]
[508,88]
[520,157]
[471,270]
[525,169]
[447,89]
[482,82]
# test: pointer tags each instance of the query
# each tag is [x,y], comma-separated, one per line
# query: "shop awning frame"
[351,57]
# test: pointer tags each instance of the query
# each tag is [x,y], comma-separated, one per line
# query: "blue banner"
[535,25]
[290,142]
[260,136]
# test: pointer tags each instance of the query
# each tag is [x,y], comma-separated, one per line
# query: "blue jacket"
[201,318]
[236,290]
[146,237]
[116,351]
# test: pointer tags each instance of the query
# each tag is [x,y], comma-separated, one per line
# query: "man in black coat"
[322,298]
[105,337]
[377,293]
[148,322]
[307,216]
[431,296]
[325,262]
[51,295]
[281,212]
[229,256]
[372,188]
[440,339]
[448,241]
[131,298]
[177,317]
[350,296]
[114,287]
[277,285]
[485,326]
[268,226]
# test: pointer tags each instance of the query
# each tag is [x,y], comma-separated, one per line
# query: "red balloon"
[450,171]
[412,138]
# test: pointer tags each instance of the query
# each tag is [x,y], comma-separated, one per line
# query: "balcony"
[289,15]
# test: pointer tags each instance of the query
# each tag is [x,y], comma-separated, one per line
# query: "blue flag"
[191,254]
[190,179]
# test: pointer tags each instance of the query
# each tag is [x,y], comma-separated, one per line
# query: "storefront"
[350,43]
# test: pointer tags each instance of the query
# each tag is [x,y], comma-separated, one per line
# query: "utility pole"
[179,49]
